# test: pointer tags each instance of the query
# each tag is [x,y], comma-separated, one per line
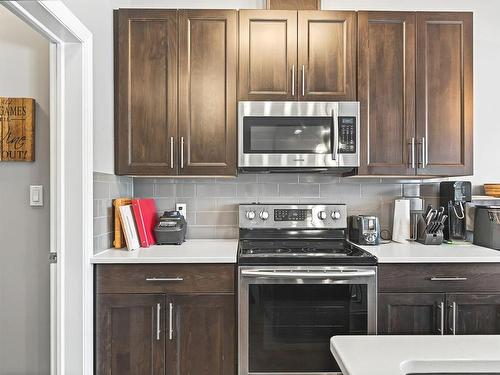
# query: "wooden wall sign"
[17,129]
[294,4]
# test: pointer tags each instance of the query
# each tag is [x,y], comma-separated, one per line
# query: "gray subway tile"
[164,190]
[101,190]
[216,190]
[217,218]
[119,189]
[381,190]
[206,204]
[143,189]
[185,190]
[319,178]
[165,204]
[278,177]
[299,190]
[200,232]
[226,232]
[340,191]
[257,190]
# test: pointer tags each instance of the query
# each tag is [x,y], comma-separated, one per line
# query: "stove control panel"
[303,216]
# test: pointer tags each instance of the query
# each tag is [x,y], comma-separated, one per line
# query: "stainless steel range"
[300,283]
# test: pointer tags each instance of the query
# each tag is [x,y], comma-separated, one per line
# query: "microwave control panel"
[347,135]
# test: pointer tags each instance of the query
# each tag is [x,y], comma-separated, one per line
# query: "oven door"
[287,316]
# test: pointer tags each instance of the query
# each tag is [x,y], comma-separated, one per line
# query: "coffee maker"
[453,197]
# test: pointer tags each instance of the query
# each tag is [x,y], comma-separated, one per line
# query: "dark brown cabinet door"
[411,313]
[268,55]
[473,314]
[145,91]
[444,92]
[207,91]
[386,91]
[202,340]
[130,334]
[327,55]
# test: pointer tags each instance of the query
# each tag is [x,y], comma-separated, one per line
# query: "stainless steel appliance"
[453,197]
[364,230]
[281,136]
[487,226]
[300,283]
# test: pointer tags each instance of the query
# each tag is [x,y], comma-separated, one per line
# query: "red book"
[145,218]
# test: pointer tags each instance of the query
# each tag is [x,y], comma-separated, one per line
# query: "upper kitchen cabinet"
[208,58]
[327,55]
[145,91]
[415,90]
[268,55]
[175,86]
[304,55]
[386,91]
[444,93]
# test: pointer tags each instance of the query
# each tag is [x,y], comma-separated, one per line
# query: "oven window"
[290,326]
[285,135]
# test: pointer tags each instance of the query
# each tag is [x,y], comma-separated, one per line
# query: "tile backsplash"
[106,188]
[212,203]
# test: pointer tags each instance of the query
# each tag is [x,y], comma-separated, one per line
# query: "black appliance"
[364,230]
[487,226]
[171,229]
[453,197]
[300,283]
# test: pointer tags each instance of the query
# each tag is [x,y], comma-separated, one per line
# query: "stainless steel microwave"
[296,135]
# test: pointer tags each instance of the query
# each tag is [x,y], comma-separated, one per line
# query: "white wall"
[24,231]
[97,16]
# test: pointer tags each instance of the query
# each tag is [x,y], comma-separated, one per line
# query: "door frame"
[71,182]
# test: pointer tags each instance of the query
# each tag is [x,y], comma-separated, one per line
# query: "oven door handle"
[308,275]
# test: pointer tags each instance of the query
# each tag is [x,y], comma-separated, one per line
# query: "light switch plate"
[181,207]
[36,195]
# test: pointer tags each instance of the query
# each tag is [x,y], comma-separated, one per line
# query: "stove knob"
[264,215]
[335,215]
[322,215]
[250,215]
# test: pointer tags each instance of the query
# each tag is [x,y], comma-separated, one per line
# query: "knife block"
[427,238]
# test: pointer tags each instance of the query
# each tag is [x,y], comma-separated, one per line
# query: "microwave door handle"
[335,136]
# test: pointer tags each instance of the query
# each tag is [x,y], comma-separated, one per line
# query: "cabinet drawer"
[165,278]
[463,277]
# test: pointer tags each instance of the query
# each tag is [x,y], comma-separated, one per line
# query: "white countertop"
[191,251]
[398,355]
[414,252]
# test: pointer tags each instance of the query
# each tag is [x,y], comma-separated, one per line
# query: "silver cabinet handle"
[171,321]
[172,152]
[303,80]
[412,156]
[293,80]
[423,153]
[453,278]
[335,135]
[453,307]
[441,313]
[158,330]
[182,152]
[160,279]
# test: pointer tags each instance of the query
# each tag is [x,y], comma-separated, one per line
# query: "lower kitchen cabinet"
[129,339]
[179,323]
[474,314]
[202,341]
[410,313]
[433,299]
